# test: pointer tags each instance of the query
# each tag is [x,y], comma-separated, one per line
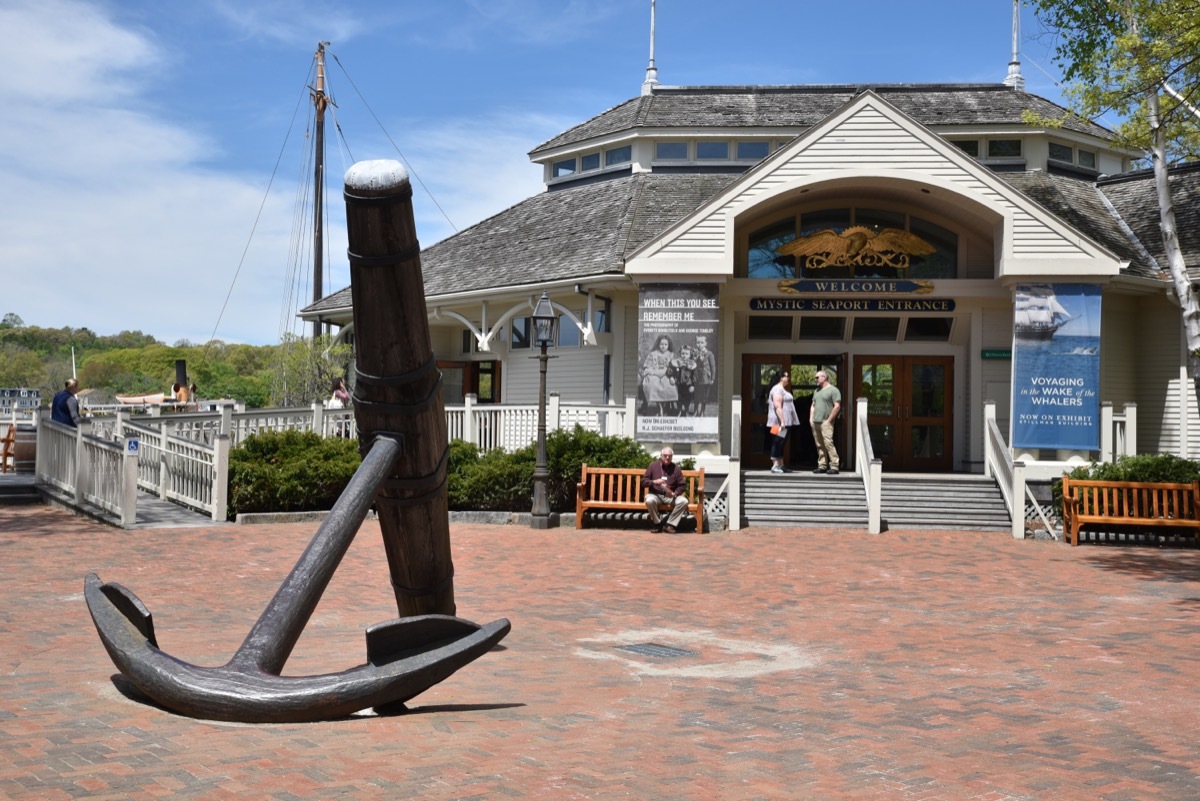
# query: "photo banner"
[1056,367]
[677,363]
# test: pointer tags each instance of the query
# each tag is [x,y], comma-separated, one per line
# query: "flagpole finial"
[651,70]
[1015,79]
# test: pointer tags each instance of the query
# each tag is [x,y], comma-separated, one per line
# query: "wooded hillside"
[294,372]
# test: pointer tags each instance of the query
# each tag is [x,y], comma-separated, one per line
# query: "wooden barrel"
[25,449]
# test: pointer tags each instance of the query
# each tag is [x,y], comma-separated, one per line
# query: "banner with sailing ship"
[677,358]
[1056,367]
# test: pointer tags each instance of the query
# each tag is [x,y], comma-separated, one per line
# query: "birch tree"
[1141,60]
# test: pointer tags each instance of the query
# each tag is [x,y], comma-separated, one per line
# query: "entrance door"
[909,409]
[799,450]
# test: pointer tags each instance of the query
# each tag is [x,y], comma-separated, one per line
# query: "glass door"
[909,410]
[800,451]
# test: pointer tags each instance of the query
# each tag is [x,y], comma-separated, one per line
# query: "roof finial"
[651,71]
[1015,79]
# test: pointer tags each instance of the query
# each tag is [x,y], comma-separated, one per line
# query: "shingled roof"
[575,232]
[801,107]
[1080,204]
[1135,199]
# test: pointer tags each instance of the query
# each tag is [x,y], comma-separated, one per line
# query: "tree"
[1141,59]
[12,320]
[306,368]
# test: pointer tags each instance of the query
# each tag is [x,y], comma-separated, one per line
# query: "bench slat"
[1128,502]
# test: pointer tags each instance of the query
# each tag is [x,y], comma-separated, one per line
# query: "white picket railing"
[92,470]
[870,468]
[184,457]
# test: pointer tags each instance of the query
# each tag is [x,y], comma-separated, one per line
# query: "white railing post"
[553,412]
[469,424]
[220,490]
[735,464]
[318,418]
[42,447]
[119,425]
[989,457]
[1106,431]
[1018,501]
[83,463]
[630,427]
[129,477]
[1130,429]
[164,461]
[226,421]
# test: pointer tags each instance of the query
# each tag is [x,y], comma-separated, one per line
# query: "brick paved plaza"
[820,665]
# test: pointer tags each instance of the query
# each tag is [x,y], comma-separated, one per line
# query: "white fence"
[92,470]
[870,468]
[184,457]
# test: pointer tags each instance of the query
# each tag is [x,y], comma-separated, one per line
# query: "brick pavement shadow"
[397,710]
[1150,566]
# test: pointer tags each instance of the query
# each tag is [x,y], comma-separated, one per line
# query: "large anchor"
[402,424]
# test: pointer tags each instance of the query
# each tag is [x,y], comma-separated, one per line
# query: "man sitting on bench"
[664,486]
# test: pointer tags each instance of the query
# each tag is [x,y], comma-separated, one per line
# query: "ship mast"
[320,101]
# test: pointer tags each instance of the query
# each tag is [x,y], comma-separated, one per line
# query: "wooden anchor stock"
[402,425]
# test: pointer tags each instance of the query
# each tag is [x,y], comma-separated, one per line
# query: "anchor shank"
[270,642]
[397,387]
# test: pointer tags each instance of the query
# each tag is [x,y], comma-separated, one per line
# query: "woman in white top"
[781,412]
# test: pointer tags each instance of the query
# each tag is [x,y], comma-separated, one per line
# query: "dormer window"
[671,151]
[618,155]
[968,146]
[590,162]
[1060,152]
[712,150]
[563,168]
[1004,148]
[753,150]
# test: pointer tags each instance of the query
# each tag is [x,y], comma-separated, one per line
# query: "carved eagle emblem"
[857,245]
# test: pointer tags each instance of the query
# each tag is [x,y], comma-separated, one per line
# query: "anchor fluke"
[406,657]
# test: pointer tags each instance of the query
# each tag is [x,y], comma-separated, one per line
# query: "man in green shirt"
[826,403]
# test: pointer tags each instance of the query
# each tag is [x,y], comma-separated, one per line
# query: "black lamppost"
[544,321]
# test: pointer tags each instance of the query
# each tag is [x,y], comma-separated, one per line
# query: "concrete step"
[802,498]
[18,488]
[971,503]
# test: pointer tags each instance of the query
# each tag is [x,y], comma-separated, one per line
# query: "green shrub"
[501,481]
[1158,468]
[289,471]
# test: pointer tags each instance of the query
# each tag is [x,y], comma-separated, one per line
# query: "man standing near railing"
[65,408]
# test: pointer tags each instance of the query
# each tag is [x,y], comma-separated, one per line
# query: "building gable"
[869,140]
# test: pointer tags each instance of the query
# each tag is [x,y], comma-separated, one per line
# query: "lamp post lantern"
[544,321]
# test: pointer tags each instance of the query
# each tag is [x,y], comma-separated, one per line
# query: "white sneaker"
[776,469]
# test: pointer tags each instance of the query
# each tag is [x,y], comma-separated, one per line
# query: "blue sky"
[140,136]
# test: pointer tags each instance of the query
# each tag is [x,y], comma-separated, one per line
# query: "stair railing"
[870,468]
[1009,475]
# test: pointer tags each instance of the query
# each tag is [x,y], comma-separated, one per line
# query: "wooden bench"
[8,449]
[1128,503]
[619,489]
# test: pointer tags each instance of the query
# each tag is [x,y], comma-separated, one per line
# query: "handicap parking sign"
[132,446]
